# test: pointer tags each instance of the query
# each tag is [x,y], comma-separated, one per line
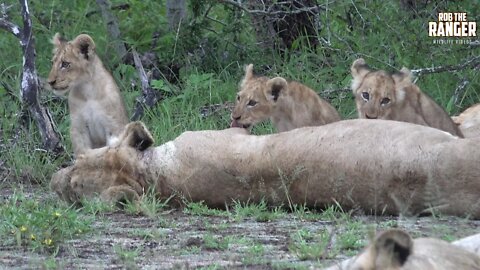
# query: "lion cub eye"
[238,97]
[252,103]
[365,96]
[385,101]
[65,64]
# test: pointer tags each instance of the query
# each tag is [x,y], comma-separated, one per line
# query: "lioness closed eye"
[287,104]
[96,107]
[381,95]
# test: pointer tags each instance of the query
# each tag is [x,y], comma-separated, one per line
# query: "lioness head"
[395,249]
[113,172]
[70,62]
[377,92]
[256,98]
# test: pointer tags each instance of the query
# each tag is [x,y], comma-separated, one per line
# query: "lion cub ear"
[358,69]
[392,249]
[248,75]
[85,45]
[403,76]
[275,87]
[58,40]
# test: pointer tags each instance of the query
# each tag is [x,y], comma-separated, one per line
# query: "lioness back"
[288,105]
[96,106]
[381,95]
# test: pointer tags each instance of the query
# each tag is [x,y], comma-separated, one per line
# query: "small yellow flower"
[57,214]
[48,242]
[23,229]
[32,236]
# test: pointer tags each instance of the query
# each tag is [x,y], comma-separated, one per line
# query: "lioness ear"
[85,45]
[248,75]
[136,135]
[392,249]
[275,87]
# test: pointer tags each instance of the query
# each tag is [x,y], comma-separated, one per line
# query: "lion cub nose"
[370,117]
[52,82]
[236,117]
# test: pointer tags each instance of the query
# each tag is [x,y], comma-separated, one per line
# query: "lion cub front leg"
[81,141]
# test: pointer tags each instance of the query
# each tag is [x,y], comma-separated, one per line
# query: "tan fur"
[395,249]
[469,121]
[288,105]
[381,167]
[380,95]
[96,107]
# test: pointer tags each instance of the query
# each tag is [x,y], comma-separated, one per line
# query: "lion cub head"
[256,99]
[70,62]
[395,249]
[377,92]
[381,95]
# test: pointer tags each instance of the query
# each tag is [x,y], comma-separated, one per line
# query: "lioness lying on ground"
[469,121]
[380,95]
[382,167]
[395,249]
[96,107]
[288,105]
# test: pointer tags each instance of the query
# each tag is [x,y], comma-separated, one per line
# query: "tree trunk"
[176,10]
[30,86]
[113,29]
[279,25]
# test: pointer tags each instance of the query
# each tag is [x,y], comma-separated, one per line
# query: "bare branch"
[472,62]
[5,22]
[149,96]
[460,90]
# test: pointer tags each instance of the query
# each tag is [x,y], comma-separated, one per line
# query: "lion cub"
[395,249]
[96,107]
[288,105]
[380,95]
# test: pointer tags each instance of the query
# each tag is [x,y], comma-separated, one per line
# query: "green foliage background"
[212,51]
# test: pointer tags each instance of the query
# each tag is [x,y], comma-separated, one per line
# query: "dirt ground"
[175,240]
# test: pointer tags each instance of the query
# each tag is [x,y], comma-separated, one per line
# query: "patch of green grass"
[254,254]
[307,245]
[289,266]
[200,209]
[211,242]
[40,226]
[128,256]
[148,205]
[95,206]
[259,211]
[352,238]
[148,234]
